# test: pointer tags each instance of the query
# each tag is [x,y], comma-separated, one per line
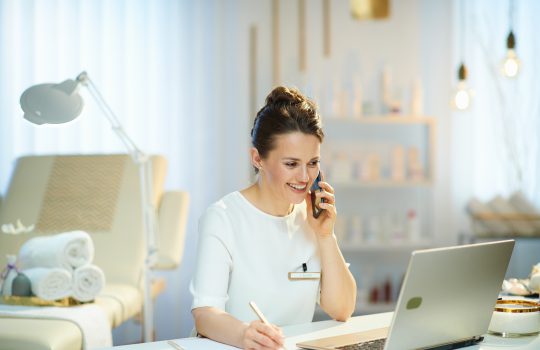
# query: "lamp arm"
[149,212]
[133,150]
[139,157]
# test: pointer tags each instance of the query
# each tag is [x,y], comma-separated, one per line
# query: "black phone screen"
[314,200]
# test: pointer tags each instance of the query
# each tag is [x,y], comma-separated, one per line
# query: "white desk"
[321,329]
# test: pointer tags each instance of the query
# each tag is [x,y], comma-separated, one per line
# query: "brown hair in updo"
[286,111]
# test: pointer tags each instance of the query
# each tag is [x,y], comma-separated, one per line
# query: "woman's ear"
[256,160]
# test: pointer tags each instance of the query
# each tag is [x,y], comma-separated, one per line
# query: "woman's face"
[292,166]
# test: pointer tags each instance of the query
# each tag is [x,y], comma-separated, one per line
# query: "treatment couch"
[98,194]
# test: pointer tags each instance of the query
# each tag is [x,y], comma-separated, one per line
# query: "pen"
[260,315]
[174,345]
[258,312]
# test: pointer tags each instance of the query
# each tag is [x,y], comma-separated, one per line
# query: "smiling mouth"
[298,188]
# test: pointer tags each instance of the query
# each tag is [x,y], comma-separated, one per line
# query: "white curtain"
[497,141]
[174,74]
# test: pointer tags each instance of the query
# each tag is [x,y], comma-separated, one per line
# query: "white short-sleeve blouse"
[245,255]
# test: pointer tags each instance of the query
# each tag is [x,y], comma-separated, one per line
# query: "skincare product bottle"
[356,230]
[9,274]
[413,226]
[357,99]
[387,289]
[398,163]
[417,100]
[21,286]
[341,168]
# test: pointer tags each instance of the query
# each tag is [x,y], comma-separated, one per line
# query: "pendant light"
[462,95]
[510,63]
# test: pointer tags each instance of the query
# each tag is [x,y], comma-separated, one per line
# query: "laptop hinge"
[458,344]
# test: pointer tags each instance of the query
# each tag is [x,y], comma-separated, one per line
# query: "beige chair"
[98,194]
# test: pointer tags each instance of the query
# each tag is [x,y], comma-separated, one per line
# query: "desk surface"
[321,329]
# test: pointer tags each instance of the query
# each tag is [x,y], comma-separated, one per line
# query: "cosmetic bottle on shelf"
[413,226]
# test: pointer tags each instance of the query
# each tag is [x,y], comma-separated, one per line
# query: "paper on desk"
[202,343]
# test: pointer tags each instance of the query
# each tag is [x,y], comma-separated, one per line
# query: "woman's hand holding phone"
[321,206]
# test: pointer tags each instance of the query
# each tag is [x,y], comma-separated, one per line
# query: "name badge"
[304,276]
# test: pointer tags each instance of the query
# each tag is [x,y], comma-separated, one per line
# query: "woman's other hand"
[324,224]
[259,335]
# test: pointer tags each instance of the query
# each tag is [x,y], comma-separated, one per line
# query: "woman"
[251,240]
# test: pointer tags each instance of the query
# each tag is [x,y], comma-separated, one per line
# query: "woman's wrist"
[325,237]
[242,333]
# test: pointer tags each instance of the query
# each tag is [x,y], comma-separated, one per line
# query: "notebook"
[446,300]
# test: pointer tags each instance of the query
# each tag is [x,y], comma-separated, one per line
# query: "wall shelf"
[392,246]
[383,183]
[382,119]
[373,308]
[363,158]
[361,308]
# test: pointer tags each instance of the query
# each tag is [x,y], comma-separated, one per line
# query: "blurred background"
[410,141]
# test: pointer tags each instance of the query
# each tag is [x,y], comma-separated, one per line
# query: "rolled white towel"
[88,281]
[523,205]
[486,227]
[49,283]
[502,206]
[68,250]
[534,283]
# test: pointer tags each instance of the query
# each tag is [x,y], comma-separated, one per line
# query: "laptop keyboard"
[377,344]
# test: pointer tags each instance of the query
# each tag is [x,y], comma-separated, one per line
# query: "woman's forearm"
[338,287]
[219,326]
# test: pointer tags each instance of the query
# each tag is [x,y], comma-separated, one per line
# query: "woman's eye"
[314,163]
[291,164]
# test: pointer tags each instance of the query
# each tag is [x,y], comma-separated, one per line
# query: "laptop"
[446,301]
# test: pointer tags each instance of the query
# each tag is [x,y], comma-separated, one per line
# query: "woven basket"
[35,301]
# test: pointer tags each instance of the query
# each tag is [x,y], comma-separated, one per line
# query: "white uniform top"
[245,255]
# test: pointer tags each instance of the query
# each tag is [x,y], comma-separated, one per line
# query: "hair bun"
[285,96]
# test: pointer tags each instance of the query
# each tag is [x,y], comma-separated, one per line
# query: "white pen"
[258,312]
[174,345]
[260,315]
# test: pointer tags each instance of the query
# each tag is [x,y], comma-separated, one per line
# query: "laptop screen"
[448,294]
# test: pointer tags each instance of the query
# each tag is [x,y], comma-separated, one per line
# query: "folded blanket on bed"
[68,250]
[50,283]
[88,281]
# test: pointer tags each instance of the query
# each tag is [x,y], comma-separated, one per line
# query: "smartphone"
[314,200]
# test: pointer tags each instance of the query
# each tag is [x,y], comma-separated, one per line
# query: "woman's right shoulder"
[217,220]
[222,208]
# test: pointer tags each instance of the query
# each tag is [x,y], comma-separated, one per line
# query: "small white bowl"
[515,318]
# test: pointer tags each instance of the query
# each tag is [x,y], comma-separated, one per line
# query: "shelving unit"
[377,258]
[384,183]
[384,119]
[349,134]
[384,247]
[374,308]
[344,124]
[361,309]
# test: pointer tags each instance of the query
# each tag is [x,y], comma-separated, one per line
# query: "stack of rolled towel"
[60,266]
[515,215]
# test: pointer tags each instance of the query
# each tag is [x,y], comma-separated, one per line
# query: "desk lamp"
[61,103]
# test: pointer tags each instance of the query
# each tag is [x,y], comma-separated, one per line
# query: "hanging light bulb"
[462,96]
[511,63]
[461,99]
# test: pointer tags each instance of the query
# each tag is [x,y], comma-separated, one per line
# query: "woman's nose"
[304,175]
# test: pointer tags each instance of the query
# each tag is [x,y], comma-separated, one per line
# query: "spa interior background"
[186,77]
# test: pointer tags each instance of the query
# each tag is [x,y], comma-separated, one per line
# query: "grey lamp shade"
[52,103]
